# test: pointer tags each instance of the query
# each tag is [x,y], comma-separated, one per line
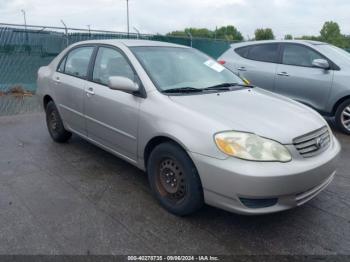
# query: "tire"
[342,117]
[55,125]
[181,196]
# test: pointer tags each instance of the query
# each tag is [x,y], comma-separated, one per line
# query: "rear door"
[112,115]
[258,64]
[70,81]
[298,79]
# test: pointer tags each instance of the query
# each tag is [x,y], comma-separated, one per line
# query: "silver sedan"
[201,133]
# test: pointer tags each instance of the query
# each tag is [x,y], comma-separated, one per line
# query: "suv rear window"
[263,52]
[242,51]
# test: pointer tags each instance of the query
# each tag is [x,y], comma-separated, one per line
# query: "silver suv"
[314,73]
[199,132]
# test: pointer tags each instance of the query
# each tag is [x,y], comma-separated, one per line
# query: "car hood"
[255,111]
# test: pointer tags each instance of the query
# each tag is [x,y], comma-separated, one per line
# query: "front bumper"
[294,183]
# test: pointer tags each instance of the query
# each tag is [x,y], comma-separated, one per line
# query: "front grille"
[313,143]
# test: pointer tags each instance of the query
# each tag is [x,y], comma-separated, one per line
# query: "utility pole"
[127,15]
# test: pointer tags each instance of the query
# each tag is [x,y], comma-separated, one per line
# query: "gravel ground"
[77,199]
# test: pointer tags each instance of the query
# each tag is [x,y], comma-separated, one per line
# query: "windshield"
[174,67]
[332,51]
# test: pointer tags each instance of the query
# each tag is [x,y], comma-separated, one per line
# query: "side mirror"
[122,83]
[321,63]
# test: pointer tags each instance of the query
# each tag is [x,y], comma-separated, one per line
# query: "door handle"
[90,91]
[57,80]
[242,68]
[283,74]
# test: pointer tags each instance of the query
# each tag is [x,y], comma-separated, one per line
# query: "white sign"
[214,65]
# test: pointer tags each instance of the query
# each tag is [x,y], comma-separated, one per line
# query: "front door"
[298,79]
[112,115]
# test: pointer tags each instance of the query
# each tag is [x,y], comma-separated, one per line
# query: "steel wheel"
[345,118]
[174,179]
[54,121]
[55,124]
[170,180]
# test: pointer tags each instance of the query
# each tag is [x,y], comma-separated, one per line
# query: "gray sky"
[294,17]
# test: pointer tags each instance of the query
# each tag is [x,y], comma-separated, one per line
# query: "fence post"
[190,35]
[66,32]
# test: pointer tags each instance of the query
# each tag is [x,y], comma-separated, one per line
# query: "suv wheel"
[55,125]
[174,179]
[342,117]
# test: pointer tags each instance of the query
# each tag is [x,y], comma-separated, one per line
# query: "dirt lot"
[77,199]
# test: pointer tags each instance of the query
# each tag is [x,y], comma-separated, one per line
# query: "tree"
[264,34]
[229,33]
[195,32]
[177,33]
[330,33]
[330,30]
[347,42]
[225,32]
[309,37]
[288,37]
[199,32]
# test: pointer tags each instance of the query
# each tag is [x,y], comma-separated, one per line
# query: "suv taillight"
[221,62]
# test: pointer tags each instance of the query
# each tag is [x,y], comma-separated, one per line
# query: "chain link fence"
[23,49]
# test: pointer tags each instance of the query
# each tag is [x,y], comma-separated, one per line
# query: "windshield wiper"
[225,86]
[182,90]
[222,86]
[187,89]
[244,85]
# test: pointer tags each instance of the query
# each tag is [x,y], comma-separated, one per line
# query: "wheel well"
[47,99]
[338,103]
[155,142]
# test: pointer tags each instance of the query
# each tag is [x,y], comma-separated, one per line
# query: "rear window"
[77,61]
[263,52]
[242,51]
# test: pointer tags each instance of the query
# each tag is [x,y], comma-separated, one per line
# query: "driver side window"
[110,62]
[299,55]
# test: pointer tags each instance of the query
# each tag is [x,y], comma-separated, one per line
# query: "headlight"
[251,147]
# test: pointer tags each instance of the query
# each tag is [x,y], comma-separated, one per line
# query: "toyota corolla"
[201,134]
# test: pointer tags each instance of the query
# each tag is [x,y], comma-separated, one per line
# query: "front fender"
[340,89]
[190,129]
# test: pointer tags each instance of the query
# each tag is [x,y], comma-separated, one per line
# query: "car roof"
[131,43]
[307,42]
